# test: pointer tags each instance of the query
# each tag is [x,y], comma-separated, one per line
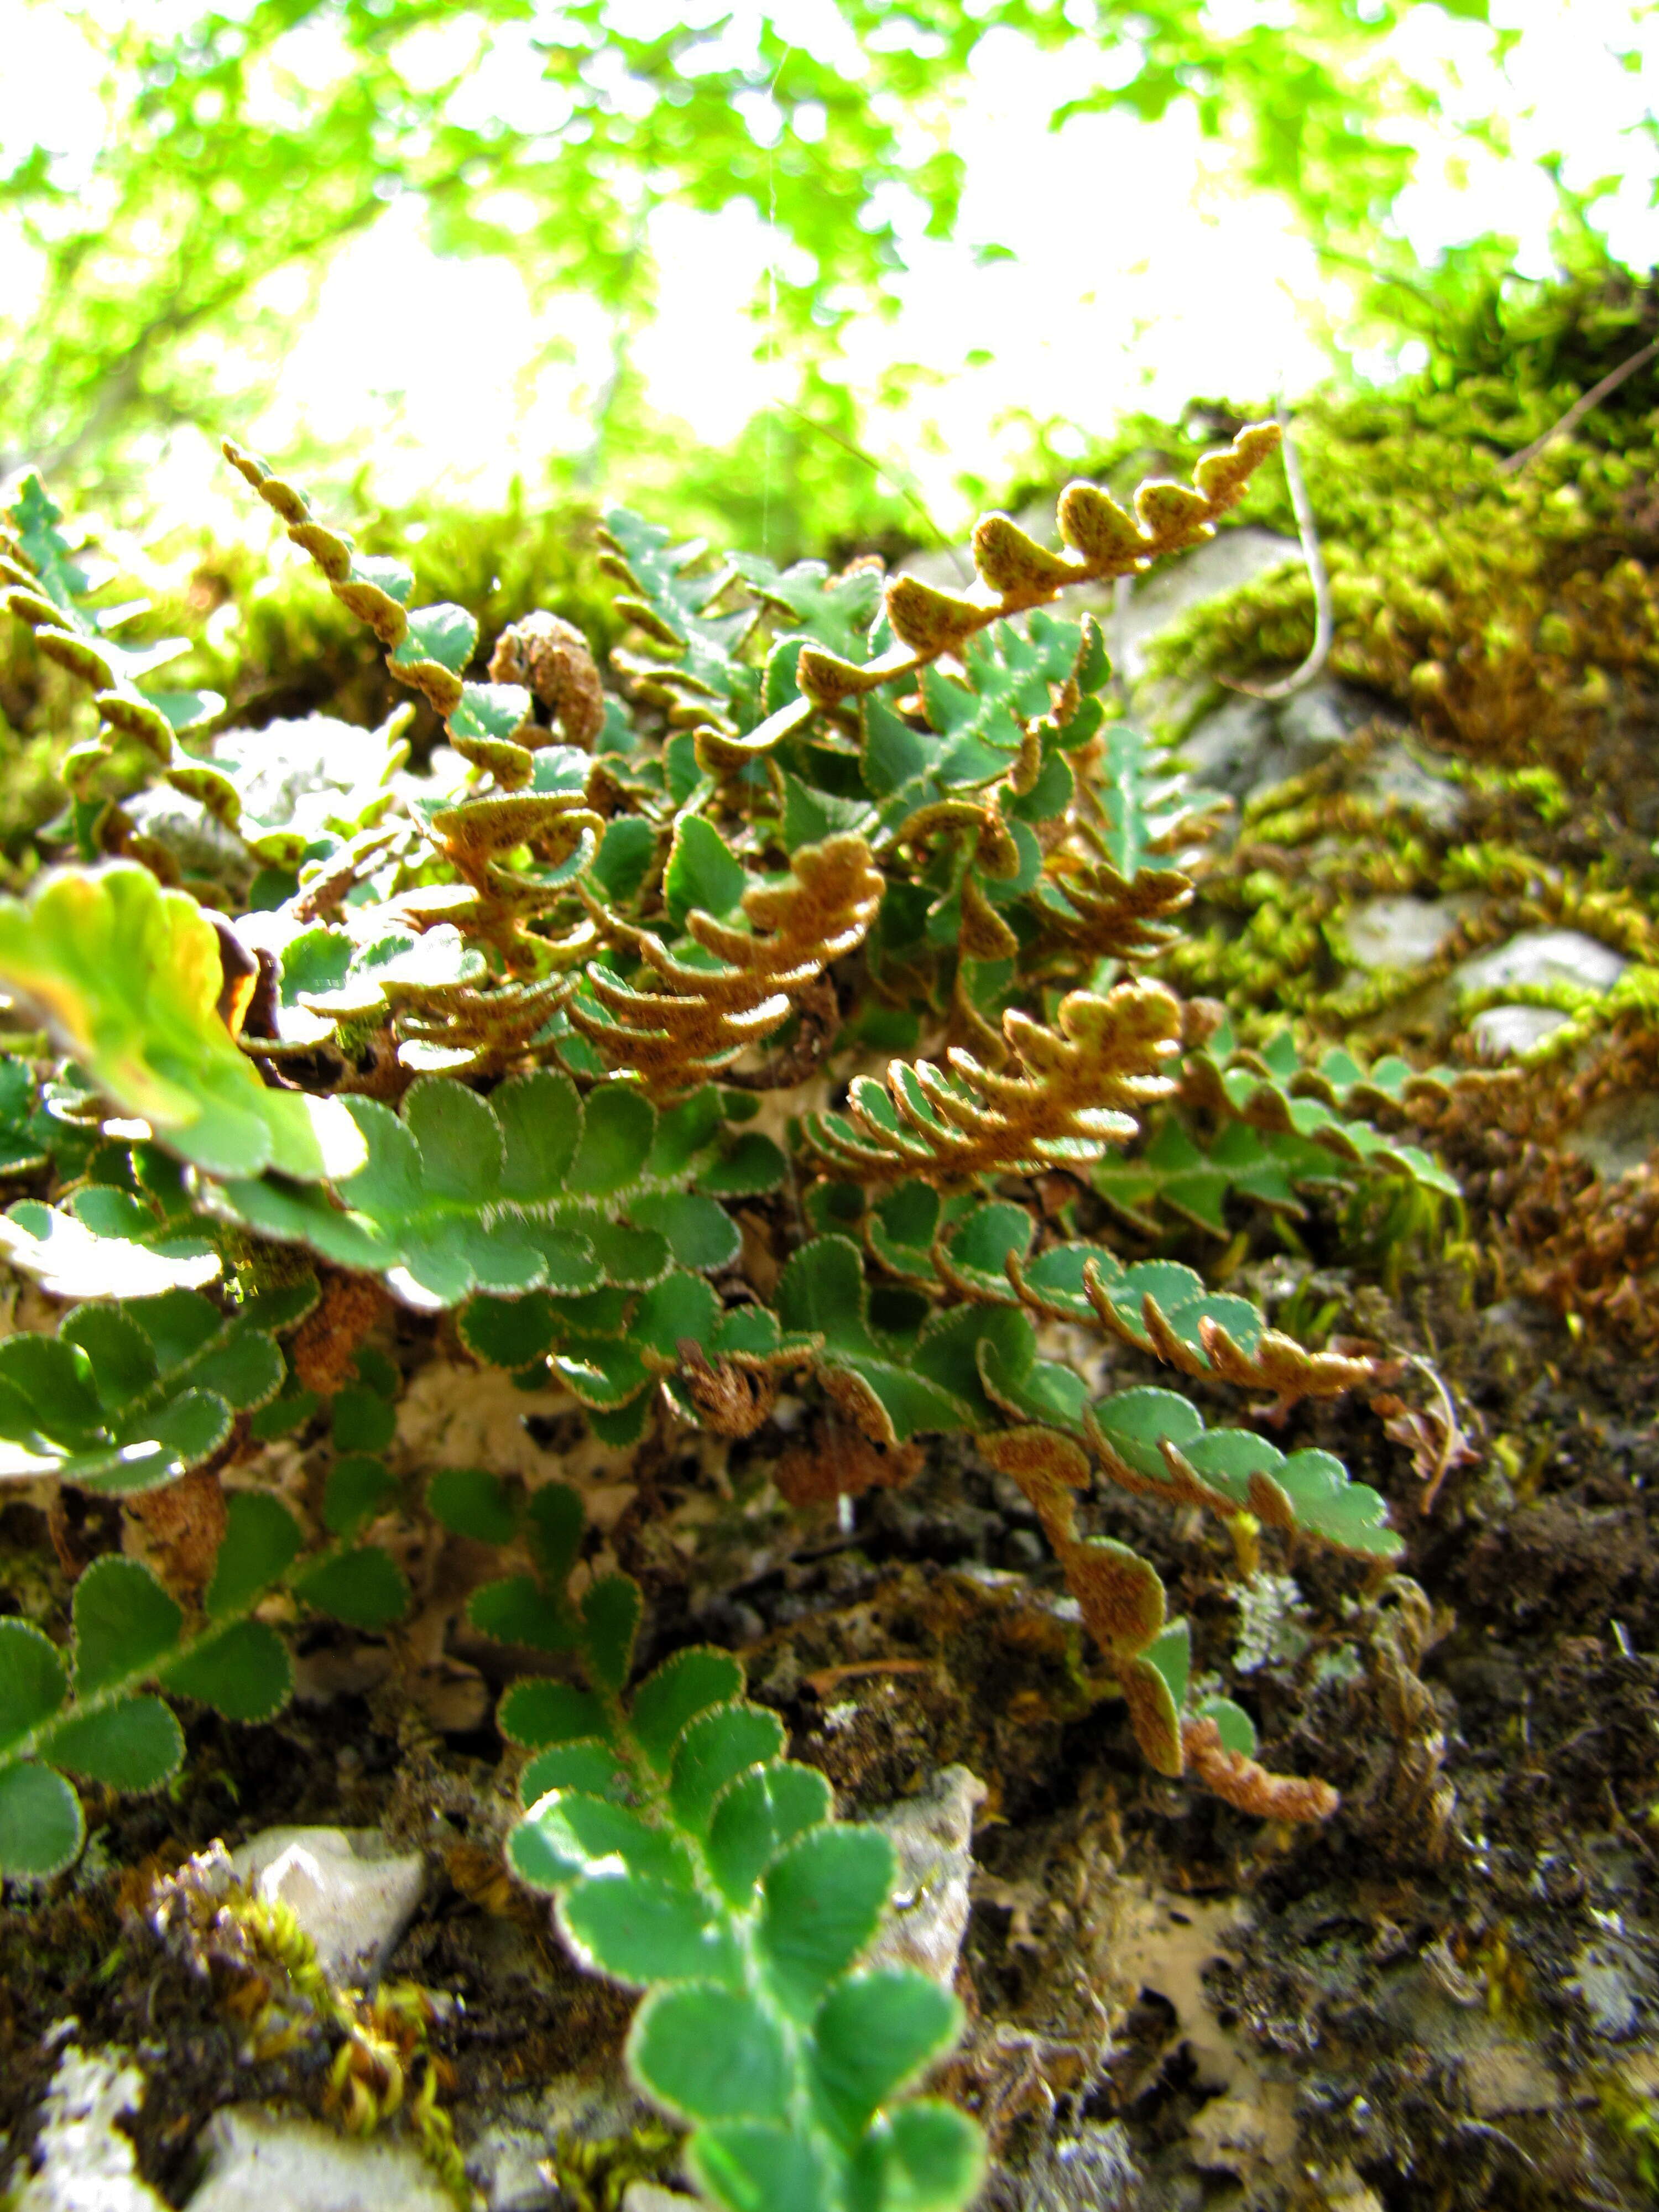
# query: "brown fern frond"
[1242,1783]
[1066,1094]
[1016,574]
[700,1018]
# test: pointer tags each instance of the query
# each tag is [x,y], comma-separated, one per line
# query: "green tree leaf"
[365,1588]
[749,2166]
[755,1816]
[34,1680]
[128,976]
[666,1701]
[242,1671]
[643,1931]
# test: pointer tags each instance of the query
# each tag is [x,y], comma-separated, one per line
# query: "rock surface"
[1401,933]
[87,2164]
[260,2161]
[350,1891]
[1502,1030]
[1227,562]
[1093,2171]
[511,2147]
[933,1835]
[1394,775]
[1543,956]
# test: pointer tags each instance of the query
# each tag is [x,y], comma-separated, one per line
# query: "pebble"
[652,2196]
[262,2161]
[87,2163]
[350,1891]
[1401,933]
[512,2142]
[1543,956]
[1394,775]
[291,774]
[1093,2171]
[1510,2078]
[1501,1030]
[932,1833]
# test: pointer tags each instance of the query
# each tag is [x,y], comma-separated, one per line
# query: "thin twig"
[1576,414]
[1313,554]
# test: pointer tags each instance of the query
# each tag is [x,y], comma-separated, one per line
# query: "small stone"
[1394,776]
[510,2166]
[1401,933]
[1228,2135]
[1343,2190]
[261,2162]
[1093,2171]
[1229,749]
[292,773]
[1543,956]
[349,1891]
[198,841]
[1502,1030]
[932,1836]
[87,2163]
[652,2196]
[1618,1133]
[1322,714]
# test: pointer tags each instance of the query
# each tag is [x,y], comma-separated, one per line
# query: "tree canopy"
[240,147]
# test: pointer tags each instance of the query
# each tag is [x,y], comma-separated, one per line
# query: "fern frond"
[1069,1092]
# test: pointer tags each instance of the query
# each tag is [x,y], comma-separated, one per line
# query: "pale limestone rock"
[1543,956]
[1510,2078]
[1502,1031]
[1093,2171]
[259,2162]
[350,1891]
[1401,933]
[933,1837]
[1394,775]
[86,2162]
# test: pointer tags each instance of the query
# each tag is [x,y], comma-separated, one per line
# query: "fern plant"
[494,1039]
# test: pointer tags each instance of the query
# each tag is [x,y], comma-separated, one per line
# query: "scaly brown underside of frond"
[700,1018]
[1066,1094]
[1016,572]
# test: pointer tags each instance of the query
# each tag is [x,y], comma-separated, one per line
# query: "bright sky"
[1139,279]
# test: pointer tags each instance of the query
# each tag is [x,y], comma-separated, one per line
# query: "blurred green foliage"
[239,150]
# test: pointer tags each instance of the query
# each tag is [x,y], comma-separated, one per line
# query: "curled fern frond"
[1069,1092]
[704,1015]
[1016,574]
